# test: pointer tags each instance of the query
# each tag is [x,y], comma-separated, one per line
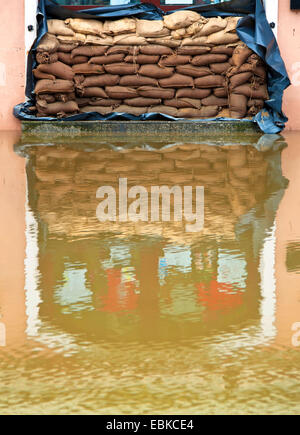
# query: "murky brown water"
[144,317]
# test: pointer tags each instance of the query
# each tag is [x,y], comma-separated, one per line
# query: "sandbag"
[177,81]
[151,28]
[193,50]
[178,34]
[58,70]
[207,59]
[119,27]
[87,27]
[108,59]
[121,92]
[212,81]
[65,97]
[222,38]
[142,102]
[196,27]
[39,75]
[181,103]
[204,112]
[181,19]
[220,68]
[89,51]
[97,40]
[201,41]
[67,48]
[232,23]
[238,105]
[83,101]
[142,59]
[154,92]
[137,111]
[193,93]
[256,102]
[48,44]
[78,37]
[248,91]
[123,49]
[166,110]
[101,80]
[193,71]
[121,68]
[58,107]
[239,79]
[241,54]
[137,81]
[155,71]
[129,40]
[221,92]
[212,100]
[104,102]
[46,57]
[213,25]
[88,69]
[222,49]
[174,60]
[92,92]
[155,50]
[167,41]
[49,98]
[58,27]
[50,87]
[99,109]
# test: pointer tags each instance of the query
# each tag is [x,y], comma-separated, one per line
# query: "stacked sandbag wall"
[185,66]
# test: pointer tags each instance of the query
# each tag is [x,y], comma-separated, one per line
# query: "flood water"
[146,317]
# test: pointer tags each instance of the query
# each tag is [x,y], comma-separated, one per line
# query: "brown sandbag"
[99,109]
[123,49]
[248,91]
[212,26]
[142,59]
[58,107]
[48,43]
[137,81]
[67,59]
[83,101]
[241,54]
[137,111]
[177,81]
[59,27]
[57,69]
[222,38]
[108,59]
[253,110]
[193,50]
[89,51]
[142,102]
[78,37]
[92,92]
[220,68]
[39,75]
[174,60]
[221,92]
[181,103]
[222,49]
[154,92]
[67,48]
[101,80]
[119,27]
[260,71]
[193,71]
[155,71]
[87,27]
[193,93]
[49,98]
[155,50]
[121,68]
[181,19]
[121,92]
[211,81]
[151,28]
[204,112]
[256,102]
[65,97]
[238,105]
[88,69]
[79,79]
[54,86]
[207,59]
[104,102]
[46,57]
[212,100]
[168,41]
[240,79]
[96,40]
[166,110]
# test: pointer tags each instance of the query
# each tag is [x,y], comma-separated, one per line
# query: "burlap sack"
[181,103]
[58,27]
[45,57]
[222,38]
[129,40]
[39,75]
[87,27]
[212,100]
[69,60]
[256,102]
[98,109]
[121,92]
[82,101]
[142,102]
[151,28]
[154,92]
[212,81]
[195,28]
[101,80]
[181,19]
[221,92]
[178,34]
[78,37]
[240,79]
[166,110]
[89,51]
[123,49]
[155,50]
[177,81]
[261,72]
[193,71]
[104,102]
[167,41]
[71,96]
[238,106]
[58,70]
[50,87]
[193,50]
[248,91]
[174,60]
[155,71]
[241,54]
[137,81]
[200,41]
[119,27]
[92,92]
[193,93]
[88,69]
[222,49]
[204,112]
[207,59]
[48,43]
[108,59]
[58,107]
[232,23]
[122,68]
[49,98]
[137,111]
[67,48]
[220,68]
[97,40]
[79,79]
[212,26]
[142,59]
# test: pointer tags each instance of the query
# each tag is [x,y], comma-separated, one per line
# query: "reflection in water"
[148,314]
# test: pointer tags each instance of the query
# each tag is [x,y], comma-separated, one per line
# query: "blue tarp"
[253,29]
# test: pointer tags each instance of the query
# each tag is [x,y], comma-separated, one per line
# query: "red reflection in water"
[120,297]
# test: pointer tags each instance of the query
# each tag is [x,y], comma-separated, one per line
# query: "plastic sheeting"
[253,29]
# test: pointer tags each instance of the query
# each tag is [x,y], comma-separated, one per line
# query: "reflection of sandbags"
[88,69]
[220,68]
[57,69]
[240,79]
[212,81]
[48,43]
[181,19]
[238,105]
[119,27]
[241,54]
[137,81]
[58,27]
[177,81]
[87,27]
[204,112]
[92,92]
[121,68]
[181,103]
[166,110]
[45,57]
[212,100]
[89,51]
[58,107]
[193,50]
[101,80]
[121,92]
[212,26]
[174,60]
[261,92]
[142,102]
[142,59]
[108,59]
[155,71]
[137,111]
[50,87]
[156,50]
[154,92]
[193,71]
[193,93]
[151,28]
[207,59]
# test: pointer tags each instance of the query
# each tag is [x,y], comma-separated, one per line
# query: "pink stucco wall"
[12,61]
[289,43]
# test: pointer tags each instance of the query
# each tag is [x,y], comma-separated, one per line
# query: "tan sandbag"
[222,49]
[58,27]
[78,37]
[201,40]
[241,54]
[193,50]
[99,109]
[151,28]
[220,68]
[177,81]
[142,102]
[135,81]
[221,92]
[212,26]
[48,44]
[67,48]
[248,91]
[50,87]
[167,41]
[58,107]
[45,57]
[142,59]
[121,68]
[123,49]
[207,59]
[212,100]
[104,102]
[240,79]
[93,92]
[121,92]
[108,59]
[155,71]
[155,92]
[101,80]
[128,39]
[212,81]
[222,38]
[166,110]
[195,28]
[119,27]
[174,60]
[58,69]
[238,105]
[87,27]
[97,40]
[88,69]
[89,51]
[181,103]
[137,111]
[181,19]
[193,71]
[232,23]
[193,93]
[178,34]
[155,50]
[204,112]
